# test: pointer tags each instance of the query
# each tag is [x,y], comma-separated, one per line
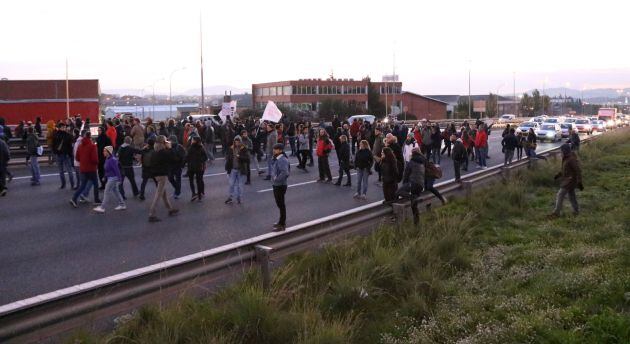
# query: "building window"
[265,91]
[286,90]
[272,91]
[259,92]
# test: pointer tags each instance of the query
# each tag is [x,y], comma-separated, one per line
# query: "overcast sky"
[130,44]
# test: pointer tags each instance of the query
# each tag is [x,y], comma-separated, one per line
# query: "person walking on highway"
[146,159]
[481,146]
[196,160]
[436,144]
[162,162]
[303,148]
[344,160]
[377,150]
[102,141]
[570,179]
[5,156]
[280,171]
[272,139]
[87,157]
[62,148]
[175,174]
[389,171]
[363,162]
[32,150]
[509,143]
[125,155]
[324,147]
[137,133]
[460,157]
[114,178]
[413,182]
[236,162]
[247,142]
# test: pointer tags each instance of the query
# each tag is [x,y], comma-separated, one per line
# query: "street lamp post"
[170,91]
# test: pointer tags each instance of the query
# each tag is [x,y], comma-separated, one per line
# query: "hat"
[279,146]
[110,150]
[237,138]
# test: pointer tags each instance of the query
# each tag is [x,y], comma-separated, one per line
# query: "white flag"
[272,113]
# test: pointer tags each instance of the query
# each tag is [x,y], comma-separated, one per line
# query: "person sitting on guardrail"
[570,178]
[413,182]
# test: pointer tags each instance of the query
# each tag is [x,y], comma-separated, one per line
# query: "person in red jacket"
[324,146]
[354,133]
[111,133]
[87,157]
[481,146]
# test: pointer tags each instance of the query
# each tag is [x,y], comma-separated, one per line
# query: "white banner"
[272,113]
[228,109]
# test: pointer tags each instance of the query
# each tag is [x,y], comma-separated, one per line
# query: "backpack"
[433,171]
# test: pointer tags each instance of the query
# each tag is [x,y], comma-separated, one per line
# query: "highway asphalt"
[48,245]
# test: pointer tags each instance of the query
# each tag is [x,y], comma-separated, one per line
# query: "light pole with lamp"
[170,91]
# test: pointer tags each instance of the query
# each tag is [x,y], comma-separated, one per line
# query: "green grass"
[495,270]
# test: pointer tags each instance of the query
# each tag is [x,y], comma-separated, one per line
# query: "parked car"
[566,128]
[570,120]
[525,126]
[584,126]
[550,132]
[598,125]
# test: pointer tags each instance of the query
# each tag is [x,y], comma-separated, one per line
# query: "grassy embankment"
[494,270]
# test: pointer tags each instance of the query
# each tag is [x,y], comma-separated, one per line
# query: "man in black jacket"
[509,143]
[62,147]
[126,154]
[344,160]
[413,182]
[175,175]
[162,163]
[460,157]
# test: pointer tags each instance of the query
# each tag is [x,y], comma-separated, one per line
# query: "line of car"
[555,128]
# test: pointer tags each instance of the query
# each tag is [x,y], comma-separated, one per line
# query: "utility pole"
[514,90]
[67,92]
[203,104]
[469,97]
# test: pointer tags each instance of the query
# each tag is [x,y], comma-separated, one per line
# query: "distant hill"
[215,90]
[598,93]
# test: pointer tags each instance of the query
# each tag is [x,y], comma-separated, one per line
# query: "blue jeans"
[87,177]
[362,180]
[112,190]
[269,160]
[34,169]
[66,164]
[482,154]
[237,180]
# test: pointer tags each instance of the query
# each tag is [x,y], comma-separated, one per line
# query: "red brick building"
[308,94]
[27,99]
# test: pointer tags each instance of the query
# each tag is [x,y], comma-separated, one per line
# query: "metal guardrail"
[39,312]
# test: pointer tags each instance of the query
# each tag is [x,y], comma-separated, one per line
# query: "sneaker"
[10,178]
[121,207]
[176,196]
[248,182]
[338,183]
[347,185]
[200,198]
[238,201]
[363,197]
[73,203]
[320,180]
[261,172]
[82,199]
[99,210]
[356,195]
[173,212]
[154,219]
[267,178]
[228,201]
[98,202]
[193,198]
[3,193]
[484,167]
[141,197]
[328,181]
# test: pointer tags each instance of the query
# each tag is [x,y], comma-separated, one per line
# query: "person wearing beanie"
[114,178]
[570,179]
[175,173]
[280,169]
[236,164]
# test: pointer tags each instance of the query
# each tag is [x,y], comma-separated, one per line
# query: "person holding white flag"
[272,113]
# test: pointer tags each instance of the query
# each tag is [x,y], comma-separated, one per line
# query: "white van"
[507,118]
